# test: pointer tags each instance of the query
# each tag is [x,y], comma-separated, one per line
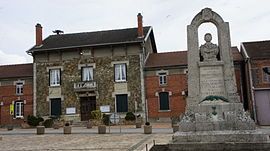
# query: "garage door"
[262,101]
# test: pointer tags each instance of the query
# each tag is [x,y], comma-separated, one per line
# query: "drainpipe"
[252,90]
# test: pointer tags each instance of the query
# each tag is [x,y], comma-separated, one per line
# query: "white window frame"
[55,77]
[87,73]
[162,78]
[19,88]
[19,110]
[120,72]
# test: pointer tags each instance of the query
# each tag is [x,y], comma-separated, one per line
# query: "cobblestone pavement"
[83,139]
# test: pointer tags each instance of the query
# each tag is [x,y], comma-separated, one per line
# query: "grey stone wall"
[103,75]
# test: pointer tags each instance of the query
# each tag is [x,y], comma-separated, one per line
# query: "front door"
[56,107]
[88,104]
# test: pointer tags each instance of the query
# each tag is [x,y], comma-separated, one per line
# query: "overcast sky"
[249,20]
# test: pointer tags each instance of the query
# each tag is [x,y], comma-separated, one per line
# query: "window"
[164,101]
[19,88]
[87,73]
[18,109]
[55,77]
[266,75]
[120,73]
[162,78]
[121,103]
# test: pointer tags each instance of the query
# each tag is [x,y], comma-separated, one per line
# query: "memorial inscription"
[211,81]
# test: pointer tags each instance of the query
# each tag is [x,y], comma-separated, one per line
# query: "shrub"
[48,123]
[106,119]
[130,116]
[67,124]
[33,120]
[96,114]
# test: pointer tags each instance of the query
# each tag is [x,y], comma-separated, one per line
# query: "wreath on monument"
[214,98]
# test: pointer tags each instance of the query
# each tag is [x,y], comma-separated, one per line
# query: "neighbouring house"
[257,67]
[77,73]
[166,83]
[16,93]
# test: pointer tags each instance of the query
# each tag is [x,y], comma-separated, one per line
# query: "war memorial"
[214,118]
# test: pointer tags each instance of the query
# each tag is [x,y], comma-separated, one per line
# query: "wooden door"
[88,104]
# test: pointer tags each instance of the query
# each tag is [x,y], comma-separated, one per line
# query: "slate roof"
[178,58]
[97,38]
[257,49]
[16,71]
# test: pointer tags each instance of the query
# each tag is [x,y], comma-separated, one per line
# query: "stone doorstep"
[191,146]
[221,136]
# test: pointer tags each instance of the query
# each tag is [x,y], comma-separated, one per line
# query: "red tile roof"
[16,71]
[167,59]
[178,58]
[258,49]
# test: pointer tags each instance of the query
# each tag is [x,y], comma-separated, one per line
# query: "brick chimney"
[38,34]
[140,25]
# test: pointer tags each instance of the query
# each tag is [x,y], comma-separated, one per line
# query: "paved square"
[82,139]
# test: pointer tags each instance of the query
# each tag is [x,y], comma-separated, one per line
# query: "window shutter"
[126,71]
[49,77]
[14,110]
[60,77]
[22,109]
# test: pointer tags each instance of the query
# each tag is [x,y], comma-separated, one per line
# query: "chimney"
[38,34]
[140,25]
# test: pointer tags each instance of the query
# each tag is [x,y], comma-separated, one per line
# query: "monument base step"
[227,146]
[221,136]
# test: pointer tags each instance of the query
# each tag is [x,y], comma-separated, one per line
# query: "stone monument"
[213,112]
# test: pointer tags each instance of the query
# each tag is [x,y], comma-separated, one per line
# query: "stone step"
[220,136]
[225,146]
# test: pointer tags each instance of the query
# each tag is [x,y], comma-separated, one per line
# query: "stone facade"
[106,87]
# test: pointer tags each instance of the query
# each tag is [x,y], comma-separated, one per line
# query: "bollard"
[67,130]
[40,130]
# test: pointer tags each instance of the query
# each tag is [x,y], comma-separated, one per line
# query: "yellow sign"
[11,109]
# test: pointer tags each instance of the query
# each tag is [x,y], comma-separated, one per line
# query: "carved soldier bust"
[209,51]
